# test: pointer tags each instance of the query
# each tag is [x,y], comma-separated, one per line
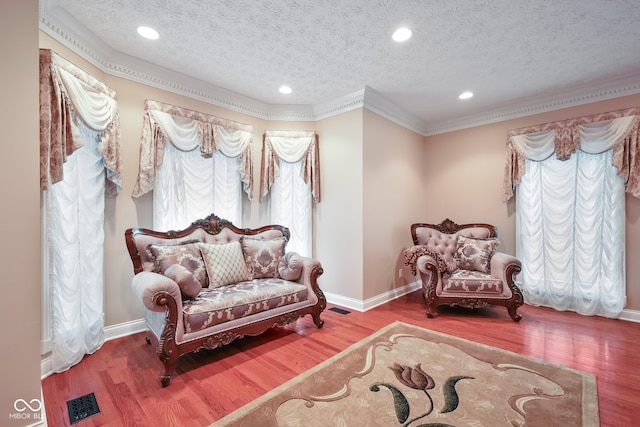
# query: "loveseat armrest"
[156,291]
[311,270]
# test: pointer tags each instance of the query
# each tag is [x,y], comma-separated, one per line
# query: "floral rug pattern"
[408,376]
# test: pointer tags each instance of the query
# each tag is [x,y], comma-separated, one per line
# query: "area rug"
[408,376]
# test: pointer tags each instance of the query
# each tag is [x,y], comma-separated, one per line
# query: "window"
[570,234]
[195,163]
[571,179]
[291,172]
[80,164]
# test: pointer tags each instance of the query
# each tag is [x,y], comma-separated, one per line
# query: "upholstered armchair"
[459,265]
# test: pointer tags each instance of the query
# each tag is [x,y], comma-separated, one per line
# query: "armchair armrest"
[155,291]
[504,266]
[426,264]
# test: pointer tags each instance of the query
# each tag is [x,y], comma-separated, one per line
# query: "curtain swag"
[67,94]
[617,130]
[291,147]
[187,130]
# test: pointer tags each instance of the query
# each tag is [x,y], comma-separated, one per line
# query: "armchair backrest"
[443,236]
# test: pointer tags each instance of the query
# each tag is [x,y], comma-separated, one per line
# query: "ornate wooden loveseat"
[197,295]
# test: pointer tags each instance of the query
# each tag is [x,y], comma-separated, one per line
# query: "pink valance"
[617,130]
[290,146]
[187,130]
[67,94]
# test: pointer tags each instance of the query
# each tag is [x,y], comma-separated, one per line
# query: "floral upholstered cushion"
[218,305]
[225,263]
[471,281]
[263,256]
[189,285]
[474,254]
[186,254]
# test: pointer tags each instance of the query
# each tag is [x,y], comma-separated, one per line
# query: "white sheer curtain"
[75,238]
[571,214]
[291,172]
[196,165]
[80,165]
[189,186]
[291,206]
[570,234]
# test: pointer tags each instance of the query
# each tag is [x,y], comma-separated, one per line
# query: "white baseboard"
[124,329]
[360,305]
[45,367]
[630,316]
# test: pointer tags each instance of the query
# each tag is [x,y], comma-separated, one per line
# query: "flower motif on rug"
[417,379]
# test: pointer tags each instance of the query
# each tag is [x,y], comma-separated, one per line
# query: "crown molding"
[585,94]
[83,43]
[376,102]
[340,105]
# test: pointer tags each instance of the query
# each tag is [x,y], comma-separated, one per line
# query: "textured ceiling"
[514,55]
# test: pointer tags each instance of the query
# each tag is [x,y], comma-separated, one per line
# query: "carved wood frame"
[430,282]
[166,347]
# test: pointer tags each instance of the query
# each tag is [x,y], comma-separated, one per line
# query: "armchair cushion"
[186,254]
[474,254]
[263,256]
[225,263]
[471,281]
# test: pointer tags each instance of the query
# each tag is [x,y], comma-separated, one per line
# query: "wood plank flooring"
[123,374]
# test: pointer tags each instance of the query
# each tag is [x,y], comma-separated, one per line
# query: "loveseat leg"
[317,320]
[431,312]
[165,378]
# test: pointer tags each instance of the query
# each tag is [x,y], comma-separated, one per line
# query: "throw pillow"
[290,266]
[225,263]
[187,254]
[474,254]
[189,285]
[262,256]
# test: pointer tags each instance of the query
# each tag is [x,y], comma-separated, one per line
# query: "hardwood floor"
[123,374]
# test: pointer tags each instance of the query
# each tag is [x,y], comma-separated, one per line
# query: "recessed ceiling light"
[465,95]
[285,89]
[401,34]
[148,33]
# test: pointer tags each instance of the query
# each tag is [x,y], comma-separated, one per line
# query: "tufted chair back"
[443,236]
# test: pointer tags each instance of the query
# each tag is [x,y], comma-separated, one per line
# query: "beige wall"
[466,169]
[338,223]
[393,199]
[20,213]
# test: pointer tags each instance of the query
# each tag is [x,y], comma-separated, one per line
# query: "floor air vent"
[339,310]
[82,407]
